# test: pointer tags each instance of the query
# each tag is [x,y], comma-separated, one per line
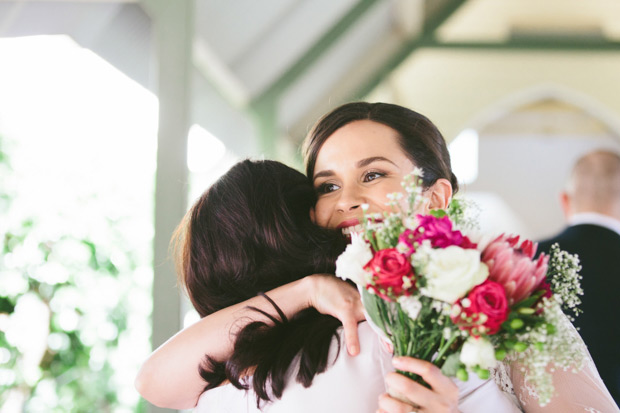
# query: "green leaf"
[530,301]
[451,365]
[371,305]
[381,244]
[438,213]
[7,304]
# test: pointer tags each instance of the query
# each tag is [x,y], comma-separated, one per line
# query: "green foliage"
[452,365]
[66,292]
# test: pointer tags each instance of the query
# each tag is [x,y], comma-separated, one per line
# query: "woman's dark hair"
[248,233]
[419,137]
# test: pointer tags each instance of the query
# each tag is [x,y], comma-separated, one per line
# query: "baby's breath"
[464,214]
[389,230]
[563,274]
[414,186]
[554,343]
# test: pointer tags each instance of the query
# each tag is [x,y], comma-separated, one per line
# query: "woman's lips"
[348,223]
[356,228]
[349,226]
[353,225]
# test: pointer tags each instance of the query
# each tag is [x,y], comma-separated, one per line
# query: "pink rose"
[438,231]
[391,273]
[488,299]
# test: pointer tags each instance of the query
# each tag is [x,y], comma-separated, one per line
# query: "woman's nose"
[350,199]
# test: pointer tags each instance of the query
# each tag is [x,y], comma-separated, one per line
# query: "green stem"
[445,348]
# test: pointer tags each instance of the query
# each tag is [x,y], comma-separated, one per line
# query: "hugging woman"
[355,155]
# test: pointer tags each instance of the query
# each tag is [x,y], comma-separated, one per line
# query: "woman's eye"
[371,176]
[326,188]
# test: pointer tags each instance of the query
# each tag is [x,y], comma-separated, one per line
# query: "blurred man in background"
[591,205]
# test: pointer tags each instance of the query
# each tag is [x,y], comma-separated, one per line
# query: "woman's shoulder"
[226,399]
[373,349]
[363,376]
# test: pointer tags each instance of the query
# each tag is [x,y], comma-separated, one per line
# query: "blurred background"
[115,115]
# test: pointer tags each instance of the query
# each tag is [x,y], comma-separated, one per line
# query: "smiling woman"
[360,153]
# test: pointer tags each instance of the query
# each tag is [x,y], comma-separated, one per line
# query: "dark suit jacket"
[599,324]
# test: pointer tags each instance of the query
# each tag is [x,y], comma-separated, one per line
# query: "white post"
[174,33]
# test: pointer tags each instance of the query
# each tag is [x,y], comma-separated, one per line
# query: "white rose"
[453,271]
[478,352]
[410,305]
[350,264]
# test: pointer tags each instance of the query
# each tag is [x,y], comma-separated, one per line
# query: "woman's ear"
[566,204]
[439,194]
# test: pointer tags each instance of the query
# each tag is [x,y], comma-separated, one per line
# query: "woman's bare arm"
[169,377]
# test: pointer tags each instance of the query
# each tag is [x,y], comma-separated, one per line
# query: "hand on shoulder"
[335,297]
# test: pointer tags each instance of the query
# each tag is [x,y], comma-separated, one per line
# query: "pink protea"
[512,265]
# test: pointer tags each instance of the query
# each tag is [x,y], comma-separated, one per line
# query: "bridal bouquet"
[439,296]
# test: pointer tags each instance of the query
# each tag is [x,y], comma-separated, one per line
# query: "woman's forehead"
[361,139]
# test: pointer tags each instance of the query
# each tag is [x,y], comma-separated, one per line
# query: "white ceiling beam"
[219,75]
[409,17]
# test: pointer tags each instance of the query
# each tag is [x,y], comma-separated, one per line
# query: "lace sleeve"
[575,390]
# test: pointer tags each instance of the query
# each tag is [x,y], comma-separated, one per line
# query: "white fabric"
[594,218]
[350,385]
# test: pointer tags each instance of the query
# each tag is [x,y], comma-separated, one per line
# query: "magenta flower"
[512,265]
[438,230]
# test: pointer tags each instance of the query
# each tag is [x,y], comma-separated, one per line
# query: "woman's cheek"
[423,206]
[320,215]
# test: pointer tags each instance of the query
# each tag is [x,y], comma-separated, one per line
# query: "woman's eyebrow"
[360,164]
[327,172]
[367,161]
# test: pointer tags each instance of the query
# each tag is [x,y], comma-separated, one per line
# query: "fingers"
[341,300]
[352,313]
[408,390]
[441,397]
[351,337]
[388,404]
[429,372]
[358,312]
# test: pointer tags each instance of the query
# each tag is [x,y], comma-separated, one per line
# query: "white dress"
[350,385]
[583,391]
